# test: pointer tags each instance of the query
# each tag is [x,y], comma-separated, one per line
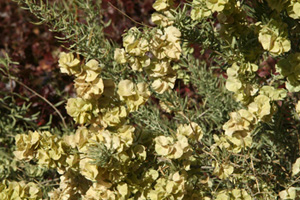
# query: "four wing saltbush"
[156,119]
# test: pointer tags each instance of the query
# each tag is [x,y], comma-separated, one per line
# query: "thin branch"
[43,98]
[128,16]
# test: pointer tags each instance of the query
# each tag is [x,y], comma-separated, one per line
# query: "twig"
[128,16]
[40,96]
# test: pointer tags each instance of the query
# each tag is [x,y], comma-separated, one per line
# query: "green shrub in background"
[156,122]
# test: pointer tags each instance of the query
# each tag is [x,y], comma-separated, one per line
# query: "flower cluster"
[240,125]
[232,22]
[20,190]
[133,95]
[88,85]
[204,8]
[48,149]
[231,143]
[166,146]
[163,17]
[172,187]
[273,37]
[242,122]
[92,89]
[222,171]
[72,157]
[72,186]
[240,81]
[153,55]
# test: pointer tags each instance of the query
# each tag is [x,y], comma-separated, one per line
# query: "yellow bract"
[273,37]
[290,193]
[241,123]
[223,171]
[120,56]
[199,10]
[231,143]
[89,90]
[114,116]
[272,93]
[79,109]
[167,147]
[26,145]
[20,190]
[133,95]
[238,81]
[192,131]
[90,71]
[162,19]
[216,5]
[296,167]
[68,64]
[294,9]
[160,5]
[261,107]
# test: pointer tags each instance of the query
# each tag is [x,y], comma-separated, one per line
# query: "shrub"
[202,105]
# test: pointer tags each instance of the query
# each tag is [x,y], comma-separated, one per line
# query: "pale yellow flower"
[161,5]
[163,19]
[192,130]
[163,145]
[126,88]
[26,145]
[272,93]
[163,84]
[288,194]
[223,195]
[222,171]
[294,9]
[261,107]
[216,5]
[120,56]
[123,189]
[199,10]
[274,38]
[233,84]
[68,64]
[89,90]
[231,143]
[79,109]
[240,194]
[296,167]
[114,116]
[240,123]
[90,71]
[88,170]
